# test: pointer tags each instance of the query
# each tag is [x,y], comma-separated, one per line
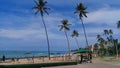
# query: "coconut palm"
[116,44]
[101,41]
[98,37]
[118,24]
[111,37]
[81,10]
[106,32]
[41,8]
[65,26]
[75,34]
[110,32]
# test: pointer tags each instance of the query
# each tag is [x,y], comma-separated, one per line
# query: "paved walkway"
[95,64]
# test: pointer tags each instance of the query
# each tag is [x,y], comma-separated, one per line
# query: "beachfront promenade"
[95,64]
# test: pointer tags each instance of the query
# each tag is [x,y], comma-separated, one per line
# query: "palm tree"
[81,10]
[116,44]
[41,7]
[106,32]
[111,37]
[101,42]
[75,34]
[118,24]
[110,32]
[98,37]
[65,26]
[96,48]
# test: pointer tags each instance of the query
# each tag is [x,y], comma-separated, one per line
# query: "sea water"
[10,54]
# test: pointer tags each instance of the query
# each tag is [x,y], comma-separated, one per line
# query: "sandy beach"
[96,62]
[37,60]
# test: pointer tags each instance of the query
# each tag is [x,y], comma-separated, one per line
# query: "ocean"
[11,54]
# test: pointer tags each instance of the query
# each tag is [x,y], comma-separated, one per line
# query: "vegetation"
[41,7]
[107,45]
[65,26]
[81,11]
[75,34]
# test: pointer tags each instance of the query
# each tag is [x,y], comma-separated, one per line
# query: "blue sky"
[20,29]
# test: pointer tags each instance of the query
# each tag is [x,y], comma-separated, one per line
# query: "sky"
[21,29]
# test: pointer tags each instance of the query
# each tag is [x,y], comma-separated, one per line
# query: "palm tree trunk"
[116,51]
[68,43]
[84,32]
[115,43]
[77,42]
[46,37]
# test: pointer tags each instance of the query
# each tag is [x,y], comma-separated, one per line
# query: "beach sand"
[38,60]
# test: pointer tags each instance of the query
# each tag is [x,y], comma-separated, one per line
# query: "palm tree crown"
[75,33]
[41,7]
[106,32]
[64,25]
[110,31]
[81,10]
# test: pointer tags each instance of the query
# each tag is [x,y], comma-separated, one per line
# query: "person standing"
[3,58]
[90,57]
[81,58]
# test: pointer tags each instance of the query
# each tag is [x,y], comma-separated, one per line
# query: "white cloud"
[104,15]
[18,34]
[28,34]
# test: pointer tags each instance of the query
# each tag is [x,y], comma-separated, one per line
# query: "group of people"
[4,58]
[87,58]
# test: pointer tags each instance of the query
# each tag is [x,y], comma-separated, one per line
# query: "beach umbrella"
[83,51]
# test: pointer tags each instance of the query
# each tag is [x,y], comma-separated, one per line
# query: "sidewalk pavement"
[95,64]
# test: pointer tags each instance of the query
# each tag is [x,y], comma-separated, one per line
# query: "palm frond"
[36,2]
[61,28]
[65,24]
[41,7]
[118,24]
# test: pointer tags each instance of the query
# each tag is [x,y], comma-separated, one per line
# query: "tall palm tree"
[118,24]
[111,37]
[81,10]
[75,34]
[116,44]
[41,7]
[65,26]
